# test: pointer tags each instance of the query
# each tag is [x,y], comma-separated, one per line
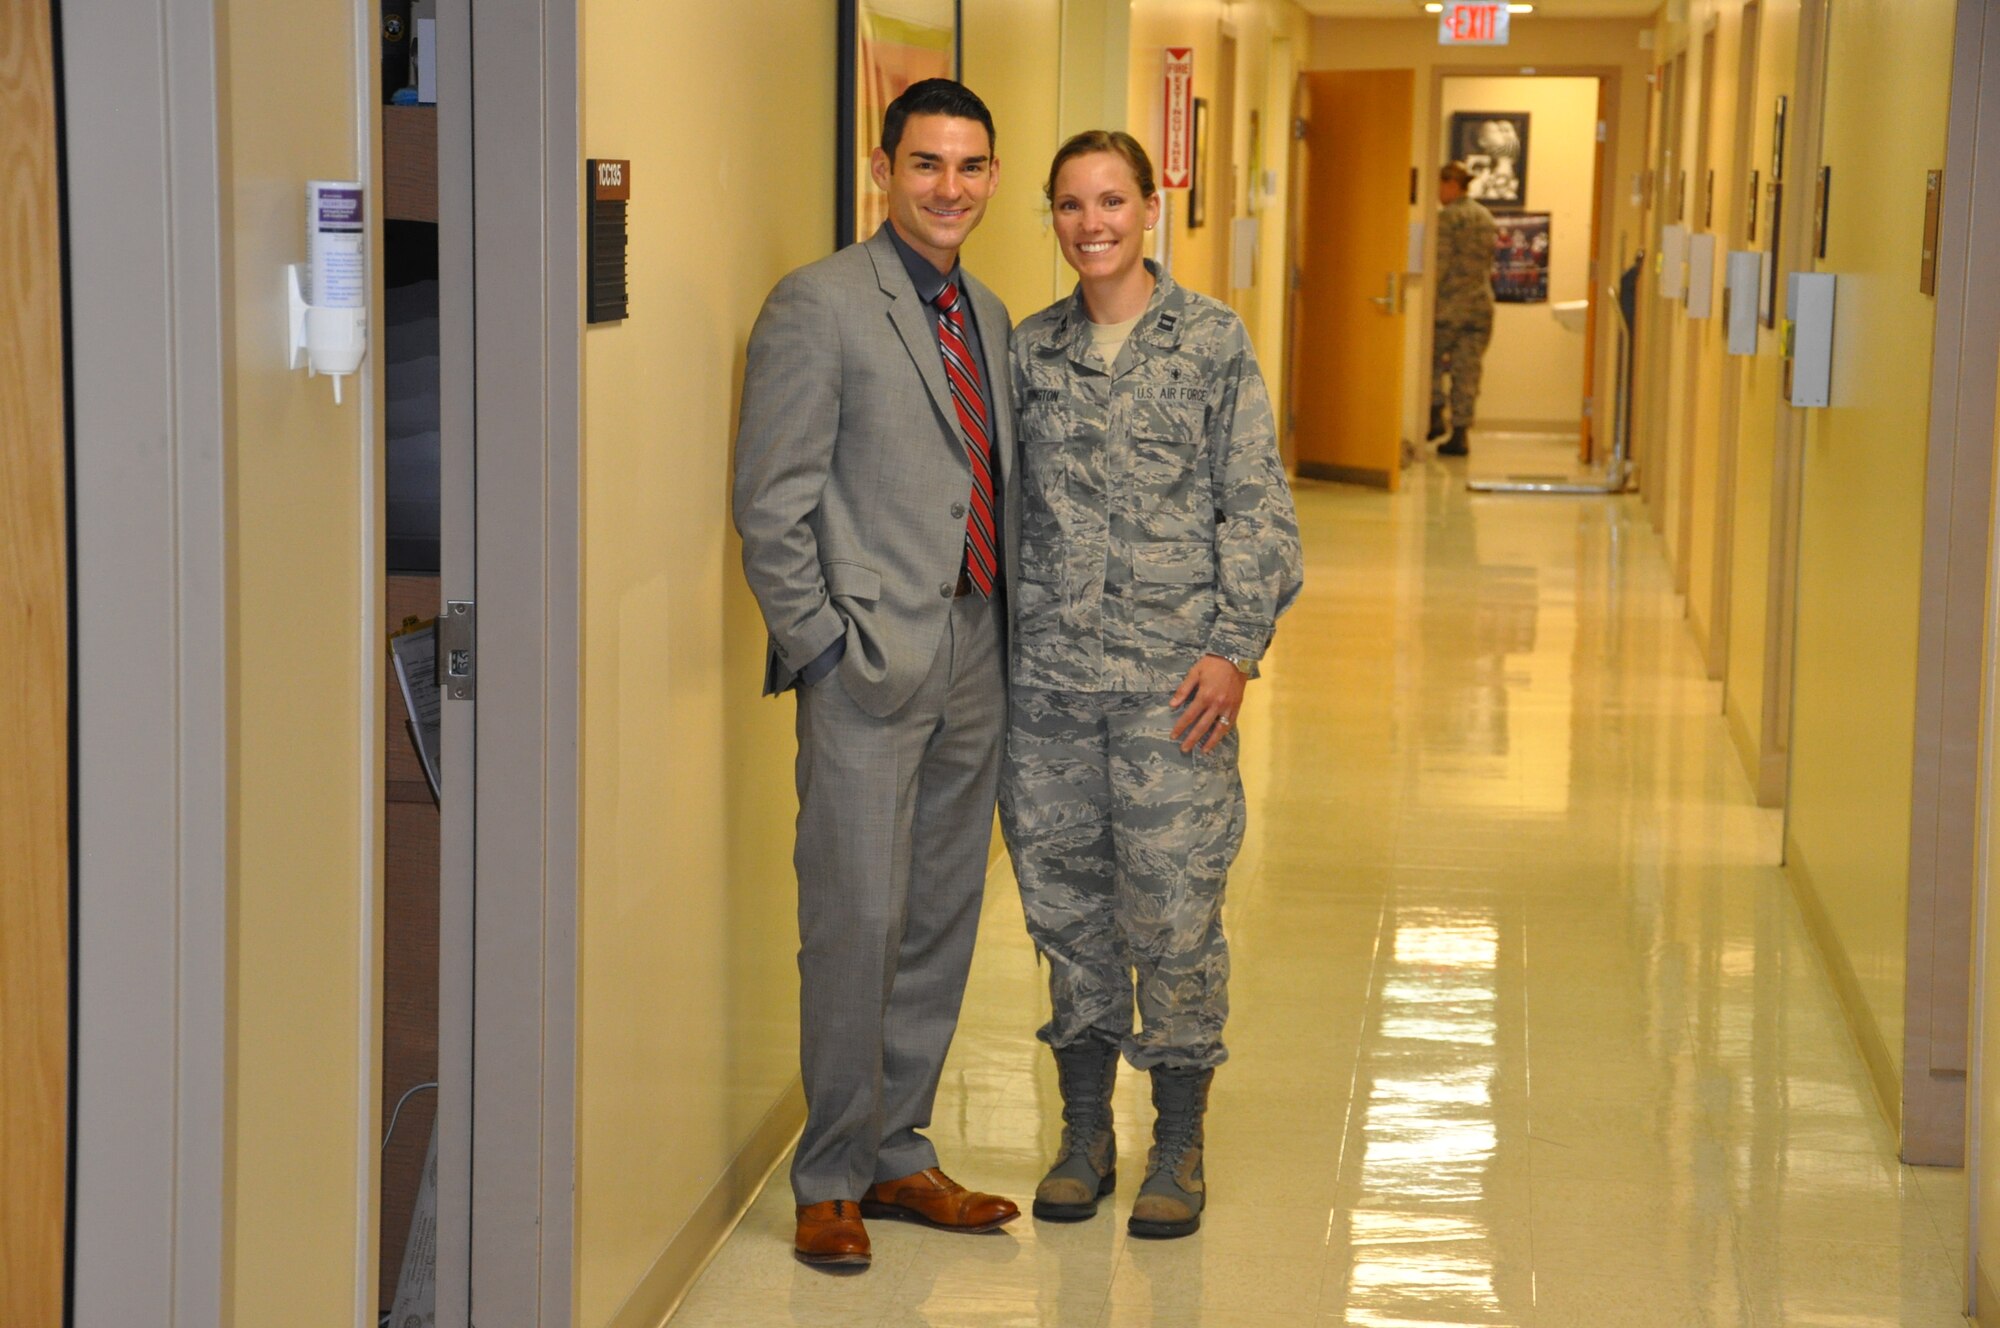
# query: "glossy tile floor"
[1525,1026]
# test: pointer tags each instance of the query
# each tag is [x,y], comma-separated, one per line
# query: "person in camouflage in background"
[1158,545]
[1464,321]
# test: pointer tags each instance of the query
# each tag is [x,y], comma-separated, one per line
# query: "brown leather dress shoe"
[936,1200]
[831,1236]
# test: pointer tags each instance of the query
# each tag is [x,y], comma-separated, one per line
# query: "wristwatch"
[1242,666]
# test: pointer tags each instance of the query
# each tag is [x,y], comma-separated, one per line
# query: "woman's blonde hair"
[1115,141]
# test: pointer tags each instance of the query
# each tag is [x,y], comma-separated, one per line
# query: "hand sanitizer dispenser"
[328,327]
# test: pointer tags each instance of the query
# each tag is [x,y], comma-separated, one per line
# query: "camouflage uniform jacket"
[1156,523]
[1466,242]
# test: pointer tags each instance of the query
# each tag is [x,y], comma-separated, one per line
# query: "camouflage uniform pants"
[1456,350]
[1122,843]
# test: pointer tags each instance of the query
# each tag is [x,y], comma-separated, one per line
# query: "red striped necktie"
[982,560]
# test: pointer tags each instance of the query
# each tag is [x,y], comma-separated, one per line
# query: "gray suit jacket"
[851,474]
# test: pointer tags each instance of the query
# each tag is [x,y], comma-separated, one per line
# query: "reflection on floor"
[1525,1030]
[1539,457]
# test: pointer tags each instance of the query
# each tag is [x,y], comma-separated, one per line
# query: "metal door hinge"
[1300,128]
[457,657]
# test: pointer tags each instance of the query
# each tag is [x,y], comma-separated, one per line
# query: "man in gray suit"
[872,467]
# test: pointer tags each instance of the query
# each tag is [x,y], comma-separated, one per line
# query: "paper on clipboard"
[414,652]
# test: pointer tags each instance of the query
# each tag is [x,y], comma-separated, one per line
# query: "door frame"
[508,968]
[1947,842]
[1605,203]
[147,318]
[37,859]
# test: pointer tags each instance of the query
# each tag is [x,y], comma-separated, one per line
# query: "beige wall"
[1011,62]
[1534,366]
[304,580]
[1858,546]
[687,1011]
[1555,46]
[1861,523]
[1268,36]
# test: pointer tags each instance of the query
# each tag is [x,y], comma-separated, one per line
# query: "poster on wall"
[1494,147]
[885,46]
[1521,259]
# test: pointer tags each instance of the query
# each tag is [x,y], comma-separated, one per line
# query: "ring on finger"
[1223,722]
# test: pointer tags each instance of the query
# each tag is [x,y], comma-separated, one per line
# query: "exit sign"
[1472,23]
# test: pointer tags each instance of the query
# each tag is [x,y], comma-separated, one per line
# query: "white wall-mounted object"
[1413,259]
[1701,276]
[326,296]
[1572,314]
[1673,261]
[1809,334]
[426,62]
[1743,279]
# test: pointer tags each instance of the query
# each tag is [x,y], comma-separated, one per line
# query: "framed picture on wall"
[885,46]
[1521,258]
[1494,147]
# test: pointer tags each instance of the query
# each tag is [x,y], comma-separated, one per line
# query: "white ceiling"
[1543,9]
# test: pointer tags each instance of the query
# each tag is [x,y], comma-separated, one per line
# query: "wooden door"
[34,700]
[1347,385]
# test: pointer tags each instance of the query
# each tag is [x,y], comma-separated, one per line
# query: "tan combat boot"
[1086,1167]
[1171,1200]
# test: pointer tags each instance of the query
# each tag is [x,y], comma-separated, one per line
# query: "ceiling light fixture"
[1434,7]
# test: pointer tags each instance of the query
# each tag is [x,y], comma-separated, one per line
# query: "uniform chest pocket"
[1162,463]
[1166,440]
[1041,424]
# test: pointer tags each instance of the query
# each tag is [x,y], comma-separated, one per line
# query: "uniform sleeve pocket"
[853,581]
[1184,564]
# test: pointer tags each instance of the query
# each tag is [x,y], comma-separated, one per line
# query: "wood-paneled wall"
[34,702]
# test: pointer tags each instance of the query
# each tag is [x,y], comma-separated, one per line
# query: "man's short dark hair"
[934,96]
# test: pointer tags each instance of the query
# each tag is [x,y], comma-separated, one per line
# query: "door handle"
[1387,303]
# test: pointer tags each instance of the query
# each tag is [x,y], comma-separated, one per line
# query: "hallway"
[1526,1027]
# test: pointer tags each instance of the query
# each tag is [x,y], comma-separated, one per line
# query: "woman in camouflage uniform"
[1464,321]
[1158,546]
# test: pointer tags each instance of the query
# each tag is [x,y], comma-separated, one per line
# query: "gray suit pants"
[895,818]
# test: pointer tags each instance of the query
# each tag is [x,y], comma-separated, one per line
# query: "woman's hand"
[1213,693]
